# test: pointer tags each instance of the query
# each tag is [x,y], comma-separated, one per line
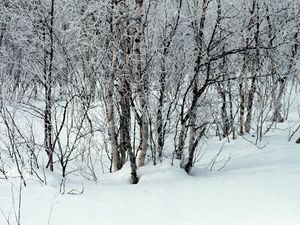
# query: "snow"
[246,184]
[259,186]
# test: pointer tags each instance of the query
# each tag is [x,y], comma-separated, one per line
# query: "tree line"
[134,80]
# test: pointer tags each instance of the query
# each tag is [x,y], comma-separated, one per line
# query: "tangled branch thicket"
[89,85]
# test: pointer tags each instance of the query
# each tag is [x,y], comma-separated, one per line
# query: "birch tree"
[139,80]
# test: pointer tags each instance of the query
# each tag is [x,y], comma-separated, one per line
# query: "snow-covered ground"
[256,187]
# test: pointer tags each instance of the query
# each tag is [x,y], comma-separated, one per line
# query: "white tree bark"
[110,93]
[144,133]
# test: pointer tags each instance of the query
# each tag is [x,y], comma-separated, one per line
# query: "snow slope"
[256,187]
[244,185]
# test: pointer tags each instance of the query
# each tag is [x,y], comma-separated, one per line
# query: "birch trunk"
[48,91]
[277,117]
[198,37]
[192,133]
[116,162]
[144,133]
[243,86]
[242,105]
[159,118]
[125,91]
[251,94]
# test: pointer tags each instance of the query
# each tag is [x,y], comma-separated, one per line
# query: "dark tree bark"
[126,93]
[167,41]
[48,79]
[198,37]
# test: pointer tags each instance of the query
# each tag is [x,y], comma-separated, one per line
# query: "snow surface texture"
[244,185]
[256,187]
